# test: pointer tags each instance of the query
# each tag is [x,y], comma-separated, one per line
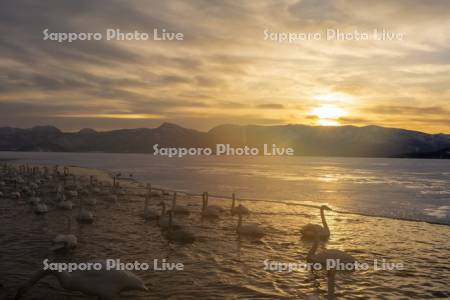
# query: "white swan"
[178,235]
[311,231]
[148,213]
[26,190]
[207,211]
[216,207]
[111,197]
[240,209]
[60,194]
[121,192]
[164,220]
[33,200]
[330,255]
[65,241]
[33,186]
[20,180]
[84,215]
[249,230]
[105,284]
[178,209]
[40,208]
[64,204]
[90,201]
[72,193]
[15,195]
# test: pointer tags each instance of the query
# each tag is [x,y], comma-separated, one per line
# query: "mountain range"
[367,141]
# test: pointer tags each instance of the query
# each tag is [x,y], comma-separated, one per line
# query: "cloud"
[355,120]
[270,106]
[409,110]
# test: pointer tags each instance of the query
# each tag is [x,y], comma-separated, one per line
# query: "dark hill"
[368,141]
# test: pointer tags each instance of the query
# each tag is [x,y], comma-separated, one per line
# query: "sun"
[328,114]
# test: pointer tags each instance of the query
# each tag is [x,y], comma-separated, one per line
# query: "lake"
[416,189]
[219,265]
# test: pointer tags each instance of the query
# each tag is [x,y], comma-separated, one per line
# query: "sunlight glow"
[328,115]
[328,112]
[326,122]
[333,97]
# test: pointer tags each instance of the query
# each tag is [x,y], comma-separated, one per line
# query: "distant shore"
[324,141]
[444,155]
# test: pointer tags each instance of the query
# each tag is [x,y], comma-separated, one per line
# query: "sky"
[225,70]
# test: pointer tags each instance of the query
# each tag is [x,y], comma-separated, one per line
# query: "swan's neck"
[170,221]
[331,283]
[324,221]
[312,251]
[239,223]
[163,209]
[146,204]
[174,200]
[233,203]
[69,224]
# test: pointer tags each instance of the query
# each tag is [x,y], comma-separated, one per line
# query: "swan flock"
[48,193]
